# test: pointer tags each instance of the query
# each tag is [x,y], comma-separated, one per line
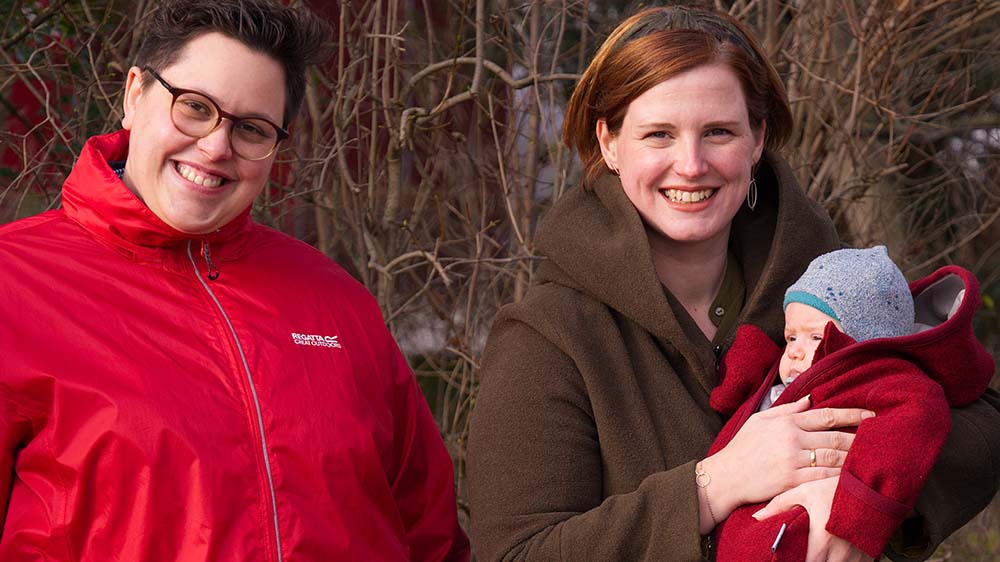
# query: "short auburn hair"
[294,37]
[655,45]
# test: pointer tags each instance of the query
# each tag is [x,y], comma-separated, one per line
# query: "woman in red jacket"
[178,383]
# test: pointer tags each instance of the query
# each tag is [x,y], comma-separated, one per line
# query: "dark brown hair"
[294,37]
[655,45]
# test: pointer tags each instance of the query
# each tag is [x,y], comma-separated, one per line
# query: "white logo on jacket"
[316,340]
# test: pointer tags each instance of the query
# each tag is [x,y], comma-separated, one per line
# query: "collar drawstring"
[213,272]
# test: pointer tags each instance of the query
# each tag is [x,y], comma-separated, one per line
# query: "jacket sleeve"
[14,432]
[535,471]
[6,468]
[962,483]
[744,368]
[423,483]
[891,456]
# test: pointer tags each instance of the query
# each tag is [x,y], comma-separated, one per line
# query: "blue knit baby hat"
[861,289]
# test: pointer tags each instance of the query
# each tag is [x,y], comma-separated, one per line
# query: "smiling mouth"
[198,177]
[682,196]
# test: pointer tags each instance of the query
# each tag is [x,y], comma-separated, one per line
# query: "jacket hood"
[943,343]
[595,243]
[95,198]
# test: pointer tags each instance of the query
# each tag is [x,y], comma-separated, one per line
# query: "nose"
[689,160]
[794,351]
[215,145]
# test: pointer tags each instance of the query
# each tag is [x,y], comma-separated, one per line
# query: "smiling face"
[197,185]
[684,154]
[804,326]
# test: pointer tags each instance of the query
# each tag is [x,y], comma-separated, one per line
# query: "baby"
[857,336]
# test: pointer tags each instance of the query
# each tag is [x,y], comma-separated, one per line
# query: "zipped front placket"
[806,381]
[253,389]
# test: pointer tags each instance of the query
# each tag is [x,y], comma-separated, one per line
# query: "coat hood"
[595,243]
[943,343]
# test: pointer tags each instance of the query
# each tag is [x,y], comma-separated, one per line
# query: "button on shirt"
[729,301]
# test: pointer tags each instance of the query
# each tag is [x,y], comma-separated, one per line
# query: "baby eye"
[817,337]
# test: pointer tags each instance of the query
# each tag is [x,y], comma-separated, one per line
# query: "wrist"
[715,491]
[707,520]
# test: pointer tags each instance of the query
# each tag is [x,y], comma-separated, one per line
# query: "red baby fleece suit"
[908,381]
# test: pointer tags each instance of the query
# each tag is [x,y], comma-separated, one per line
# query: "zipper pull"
[717,351]
[213,272]
[774,547]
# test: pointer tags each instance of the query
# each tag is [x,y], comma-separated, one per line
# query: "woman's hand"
[773,452]
[816,497]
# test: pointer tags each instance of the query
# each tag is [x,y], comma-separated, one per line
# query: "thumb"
[782,502]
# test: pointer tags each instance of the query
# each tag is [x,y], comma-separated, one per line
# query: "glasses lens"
[194,114]
[197,116]
[254,138]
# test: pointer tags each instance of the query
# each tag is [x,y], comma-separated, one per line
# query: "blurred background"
[429,147]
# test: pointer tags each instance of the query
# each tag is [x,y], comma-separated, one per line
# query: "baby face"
[804,327]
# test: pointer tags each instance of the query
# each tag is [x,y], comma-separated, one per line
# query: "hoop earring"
[752,194]
[615,171]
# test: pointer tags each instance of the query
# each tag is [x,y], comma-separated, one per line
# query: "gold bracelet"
[702,480]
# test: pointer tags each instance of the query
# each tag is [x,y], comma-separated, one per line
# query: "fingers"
[836,440]
[815,496]
[808,474]
[800,405]
[780,503]
[830,418]
[823,457]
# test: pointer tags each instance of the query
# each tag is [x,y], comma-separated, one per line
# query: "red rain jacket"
[907,381]
[148,412]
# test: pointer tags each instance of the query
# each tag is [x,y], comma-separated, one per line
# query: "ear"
[758,141]
[133,90]
[609,144]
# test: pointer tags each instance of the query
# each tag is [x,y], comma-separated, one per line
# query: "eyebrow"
[252,115]
[709,125]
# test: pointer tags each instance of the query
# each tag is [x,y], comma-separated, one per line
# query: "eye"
[817,337]
[718,132]
[789,338]
[251,130]
[195,106]
[657,135]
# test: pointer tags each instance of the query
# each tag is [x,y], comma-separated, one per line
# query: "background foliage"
[430,146]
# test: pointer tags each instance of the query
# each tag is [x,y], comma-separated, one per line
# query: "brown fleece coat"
[593,405]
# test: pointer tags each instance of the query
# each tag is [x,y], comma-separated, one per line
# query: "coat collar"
[595,243]
[95,198]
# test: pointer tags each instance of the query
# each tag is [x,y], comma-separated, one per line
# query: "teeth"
[191,174]
[681,196]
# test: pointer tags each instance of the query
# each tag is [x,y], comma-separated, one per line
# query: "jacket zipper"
[246,369]
[805,382]
[213,272]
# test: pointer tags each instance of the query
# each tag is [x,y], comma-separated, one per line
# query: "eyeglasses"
[197,115]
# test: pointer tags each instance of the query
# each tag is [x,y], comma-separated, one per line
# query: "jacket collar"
[95,198]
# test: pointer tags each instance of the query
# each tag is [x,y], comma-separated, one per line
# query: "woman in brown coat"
[592,422]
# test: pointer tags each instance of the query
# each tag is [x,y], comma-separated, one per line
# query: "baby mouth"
[200,178]
[681,196]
